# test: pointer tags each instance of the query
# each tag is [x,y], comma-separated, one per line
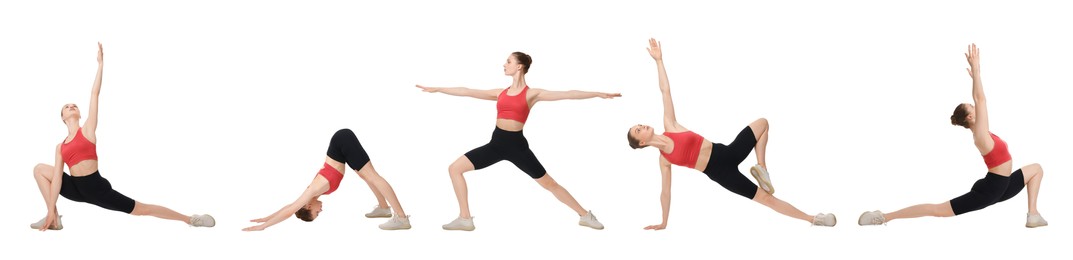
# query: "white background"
[227,108]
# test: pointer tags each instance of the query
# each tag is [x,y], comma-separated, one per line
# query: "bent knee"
[41,167]
[1036,168]
[459,166]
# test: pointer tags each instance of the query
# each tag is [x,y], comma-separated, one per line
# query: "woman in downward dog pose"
[344,148]
[508,143]
[679,146]
[999,184]
[85,183]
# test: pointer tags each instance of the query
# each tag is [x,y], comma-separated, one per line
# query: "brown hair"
[524,59]
[960,116]
[304,214]
[634,143]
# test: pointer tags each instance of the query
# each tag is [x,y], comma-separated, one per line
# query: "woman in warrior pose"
[508,143]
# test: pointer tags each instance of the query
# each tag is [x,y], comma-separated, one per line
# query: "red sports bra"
[513,107]
[334,177]
[999,154]
[78,150]
[686,148]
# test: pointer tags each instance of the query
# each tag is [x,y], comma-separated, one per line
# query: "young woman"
[85,184]
[343,148]
[679,146]
[508,143]
[999,184]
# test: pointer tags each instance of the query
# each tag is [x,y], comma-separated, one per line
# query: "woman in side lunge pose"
[508,143]
[85,184]
[343,148]
[999,184]
[679,146]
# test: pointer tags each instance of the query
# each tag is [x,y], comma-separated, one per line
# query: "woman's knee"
[42,169]
[140,209]
[368,174]
[460,166]
[763,197]
[761,123]
[1032,171]
[548,183]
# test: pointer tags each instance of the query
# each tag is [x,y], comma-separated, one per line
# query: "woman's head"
[70,111]
[964,115]
[639,136]
[310,211]
[517,62]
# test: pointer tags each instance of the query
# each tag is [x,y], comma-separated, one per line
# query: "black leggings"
[993,188]
[723,164]
[346,148]
[510,146]
[96,190]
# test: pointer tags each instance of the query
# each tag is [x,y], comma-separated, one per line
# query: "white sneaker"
[465,224]
[590,220]
[1035,221]
[871,218]
[824,219]
[39,223]
[396,223]
[379,212]
[762,178]
[202,221]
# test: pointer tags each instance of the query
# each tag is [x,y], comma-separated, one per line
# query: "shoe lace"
[196,221]
[817,220]
[878,220]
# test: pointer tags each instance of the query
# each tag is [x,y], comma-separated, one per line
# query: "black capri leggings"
[993,188]
[346,148]
[510,146]
[723,164]
[96,190]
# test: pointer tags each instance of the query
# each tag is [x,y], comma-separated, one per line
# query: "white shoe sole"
[765,184]
[59,224]
[459,229]
[592,227]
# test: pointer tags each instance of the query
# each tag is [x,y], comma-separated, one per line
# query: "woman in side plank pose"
[679,146]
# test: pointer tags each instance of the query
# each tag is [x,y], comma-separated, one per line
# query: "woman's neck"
[519,82]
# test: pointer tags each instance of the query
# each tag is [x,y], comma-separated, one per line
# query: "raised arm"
[981,130]
[665,193]
[670,122]
[54,190]
[282,214]
[91,121]
[491,94]
[548,95]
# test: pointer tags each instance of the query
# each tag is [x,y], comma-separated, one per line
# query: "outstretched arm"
[548,95]
[314,189]
[665,194]
[981,129]
[670,122]
[91,122]
[491,94]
